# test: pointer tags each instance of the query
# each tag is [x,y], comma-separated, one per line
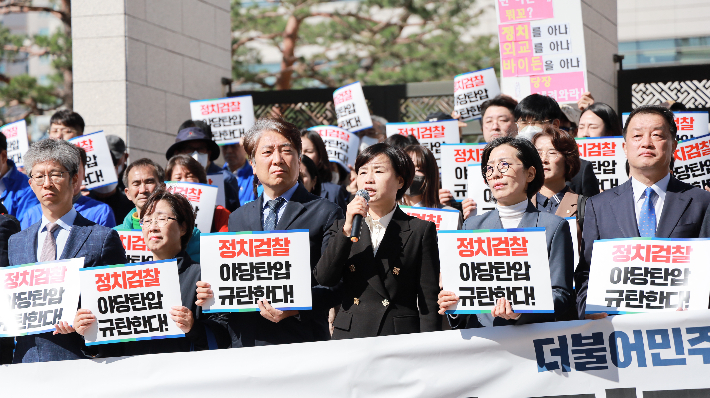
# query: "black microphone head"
[363,193]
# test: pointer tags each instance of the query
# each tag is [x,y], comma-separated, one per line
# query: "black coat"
[393,292]
[247,329]
[585,182]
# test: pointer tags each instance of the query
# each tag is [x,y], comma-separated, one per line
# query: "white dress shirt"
[378,228]
[659,187]
[61,234]
[510,216]
[265,210]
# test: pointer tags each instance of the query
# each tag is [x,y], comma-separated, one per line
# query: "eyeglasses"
[56,177]
[160,222]
[550,154]
[502,166]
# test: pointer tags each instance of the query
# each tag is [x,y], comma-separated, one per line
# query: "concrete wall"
[601,43]
[662,19]
[138,64]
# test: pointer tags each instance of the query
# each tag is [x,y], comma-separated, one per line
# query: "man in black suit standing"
[274,146]
[652,203]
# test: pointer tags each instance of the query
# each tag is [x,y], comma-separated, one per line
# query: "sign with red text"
[37,296]
[133,243]
[689,124]
[444,219]
[607,157]
[648,275]
[351,108]
[99,170]
[229,118]
[542,48]
[217,180]
[429,134]
[484,265]
[131,301]
[455,159]
[246,267]
[472,89]
[692,161]
[203,198]
[341,144]
[17,143]
[479,191]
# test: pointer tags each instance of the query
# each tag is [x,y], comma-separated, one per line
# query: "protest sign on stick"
[17,143]
[203,198]
[471,90]
[429,134]
[341,144]
[479,191]
[229,118]
[351,108]
[455,159]
[133,243]
[444,219]
[99,170]
[607,157]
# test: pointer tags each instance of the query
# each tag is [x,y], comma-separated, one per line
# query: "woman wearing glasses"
[512,169]
[167,221]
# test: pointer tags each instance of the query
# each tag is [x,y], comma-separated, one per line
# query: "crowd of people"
[278,177]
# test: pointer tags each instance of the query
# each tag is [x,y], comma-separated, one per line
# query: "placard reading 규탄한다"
[484,265]
[341,144]
[37,296]
[606,154]
[648,274]
[131,301]
[99,170]
[351,108]
[246,267]
[471,90]
[229,118]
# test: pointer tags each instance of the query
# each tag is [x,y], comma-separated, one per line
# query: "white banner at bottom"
[659,355]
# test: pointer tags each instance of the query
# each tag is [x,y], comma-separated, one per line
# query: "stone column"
[138,64]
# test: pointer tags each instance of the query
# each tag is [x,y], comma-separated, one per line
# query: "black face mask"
[416,188]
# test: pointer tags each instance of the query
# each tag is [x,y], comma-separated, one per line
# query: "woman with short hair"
[511,167]
[390,276]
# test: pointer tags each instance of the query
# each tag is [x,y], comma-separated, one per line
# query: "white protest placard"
[478,190]
[351,108]
[648,274]
[572,221]
[692,161]
[542,49]
[131,301]
[689,124]
[17,144]
[229,118]
[455,159]
[133,243]
[217,180]
[429,134]
[472,89]
[37,296]
[445,219]
[484,265]
[607,157]
[245,267]
[203,198]
[341,144]
[100,170]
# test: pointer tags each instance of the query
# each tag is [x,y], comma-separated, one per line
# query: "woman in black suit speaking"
[391,274]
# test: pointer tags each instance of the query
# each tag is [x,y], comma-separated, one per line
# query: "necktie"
[49,250]
[270,221]
[647,217]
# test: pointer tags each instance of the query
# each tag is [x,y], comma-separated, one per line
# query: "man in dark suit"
[61,234]
[274,146]
[651,203]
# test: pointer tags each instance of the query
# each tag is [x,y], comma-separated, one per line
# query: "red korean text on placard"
[35,277]
[254,247]
[685,123]
[133,242]
[333,133]
[597,149]
[468,155]
[652,253]
[435,218]
[693,150]
[88,144]
[220,107]
[191,193]
[345,95]
[129,279]
[493,246]
[469,82]
[10,132]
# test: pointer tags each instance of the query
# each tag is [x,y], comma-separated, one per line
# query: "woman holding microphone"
[390,274]
[513,170]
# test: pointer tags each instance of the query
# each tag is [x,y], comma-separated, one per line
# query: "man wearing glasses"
[61,234]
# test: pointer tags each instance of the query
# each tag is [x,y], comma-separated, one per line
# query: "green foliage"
[375,41]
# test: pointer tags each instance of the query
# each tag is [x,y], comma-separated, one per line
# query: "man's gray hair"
[50,150]
[253,135]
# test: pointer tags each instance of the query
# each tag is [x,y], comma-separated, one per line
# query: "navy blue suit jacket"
[99,246]
[560,253]
[303,211]
[336,194]
[585,182]
[612,215]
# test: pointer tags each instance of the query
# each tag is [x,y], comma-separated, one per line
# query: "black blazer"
[303,211]
[393,292]
[585,182]
[335,193]
[612,215]
[560,253]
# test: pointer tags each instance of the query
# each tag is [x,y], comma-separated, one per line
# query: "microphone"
[357,219]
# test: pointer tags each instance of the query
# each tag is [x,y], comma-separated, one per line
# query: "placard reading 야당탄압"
[229,118]
[455,159]
[246,267]
[606,154]
[472,89]
[484,265]
[351,108]
[340,144]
